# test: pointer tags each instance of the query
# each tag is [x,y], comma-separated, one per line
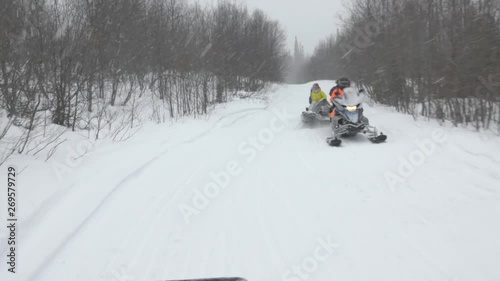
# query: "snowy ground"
[253,193]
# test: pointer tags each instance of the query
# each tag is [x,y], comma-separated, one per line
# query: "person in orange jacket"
[338,92]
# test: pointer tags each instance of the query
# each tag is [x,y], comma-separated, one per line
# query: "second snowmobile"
[317,111]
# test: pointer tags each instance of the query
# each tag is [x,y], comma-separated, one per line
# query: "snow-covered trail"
[288,208]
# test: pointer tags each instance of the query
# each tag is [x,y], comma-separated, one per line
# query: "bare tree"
[433,58]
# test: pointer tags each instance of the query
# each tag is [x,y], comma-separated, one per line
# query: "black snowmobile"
[350,121]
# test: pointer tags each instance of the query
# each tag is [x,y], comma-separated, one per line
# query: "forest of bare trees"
[436,58]
[67,62]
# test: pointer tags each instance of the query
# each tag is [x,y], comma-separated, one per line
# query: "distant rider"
[317,94]
[318,101]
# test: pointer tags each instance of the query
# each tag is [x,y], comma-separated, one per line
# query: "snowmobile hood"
[351,97]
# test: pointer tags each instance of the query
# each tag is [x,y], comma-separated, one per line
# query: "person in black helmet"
[338,90]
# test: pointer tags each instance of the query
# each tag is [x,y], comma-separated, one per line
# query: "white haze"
[310,20]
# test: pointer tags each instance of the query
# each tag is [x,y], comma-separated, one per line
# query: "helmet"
[344,82]
[315,87]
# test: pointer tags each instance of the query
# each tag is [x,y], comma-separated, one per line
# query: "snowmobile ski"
[333,142]
[379,139]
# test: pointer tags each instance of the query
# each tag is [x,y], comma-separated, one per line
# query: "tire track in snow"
[89,217]
[414,245]
[268,237]
[221,119]
[248,112]
[49,257]
[207,252]
[128,240]
[100,205]
[164,247]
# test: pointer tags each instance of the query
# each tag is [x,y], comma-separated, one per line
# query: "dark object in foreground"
[215,279]
[379,139]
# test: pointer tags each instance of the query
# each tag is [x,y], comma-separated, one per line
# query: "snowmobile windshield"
[351,97]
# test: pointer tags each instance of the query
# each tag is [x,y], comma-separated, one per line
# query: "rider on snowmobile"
[317,94]
[338,92]
[318,101]
[347,118]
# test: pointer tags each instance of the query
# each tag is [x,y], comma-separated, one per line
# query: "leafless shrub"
[438,59]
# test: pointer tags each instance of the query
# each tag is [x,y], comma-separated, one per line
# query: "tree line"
[72,57]
[436,58]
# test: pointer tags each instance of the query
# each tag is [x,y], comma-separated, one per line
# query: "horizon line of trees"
[436,58]
[72,57]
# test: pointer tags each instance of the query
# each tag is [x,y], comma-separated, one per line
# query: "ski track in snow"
[243,114]
[135,174]
[439,224]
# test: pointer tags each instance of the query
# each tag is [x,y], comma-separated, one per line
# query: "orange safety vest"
[337,93]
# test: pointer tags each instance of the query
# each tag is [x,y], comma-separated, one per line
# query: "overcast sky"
[309,20]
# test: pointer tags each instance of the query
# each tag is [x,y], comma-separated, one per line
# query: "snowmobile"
[317,111]
[350,121]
